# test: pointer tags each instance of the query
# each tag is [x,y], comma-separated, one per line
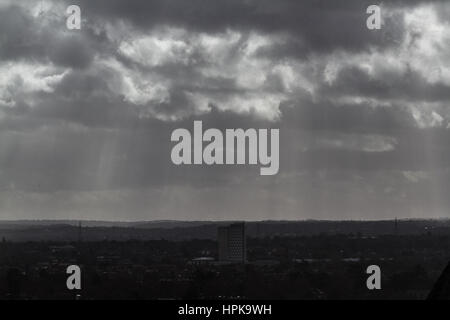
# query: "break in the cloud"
[86,116]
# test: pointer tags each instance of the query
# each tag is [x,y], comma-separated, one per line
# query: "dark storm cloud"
[316,25]
[24,37]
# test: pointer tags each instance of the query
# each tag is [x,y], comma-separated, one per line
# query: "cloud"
[42,38]
[366,143]
[86,116]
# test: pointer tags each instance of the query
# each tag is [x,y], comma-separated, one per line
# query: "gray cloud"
[410,86]
[41,39]
[316,25]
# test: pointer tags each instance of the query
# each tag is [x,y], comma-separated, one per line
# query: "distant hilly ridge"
[68,230]
[99,223]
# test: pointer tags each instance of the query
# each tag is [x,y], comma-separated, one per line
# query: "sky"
[86,115]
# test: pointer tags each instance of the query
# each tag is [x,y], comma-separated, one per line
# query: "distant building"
[232,243]
[202,261]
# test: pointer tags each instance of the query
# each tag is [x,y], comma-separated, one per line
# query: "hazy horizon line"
[230,220]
